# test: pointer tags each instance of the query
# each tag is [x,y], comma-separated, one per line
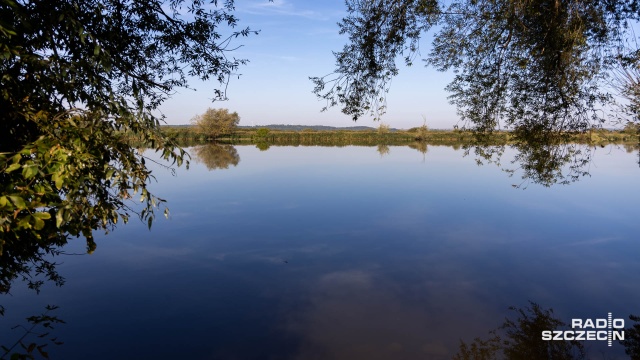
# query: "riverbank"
[318,135]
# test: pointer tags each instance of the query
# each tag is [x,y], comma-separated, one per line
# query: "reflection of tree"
[543,158]
[383,149]
[521,339]
[632,338]
[420,146]
[263,145]
[630,148]
[30,259]
[551,164]
[39,331]
[217,156]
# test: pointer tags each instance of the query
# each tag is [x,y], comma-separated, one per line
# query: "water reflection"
[543,164]
[423,147]
[216,156]
[336,254]
[519,338]
[383,150]
[632,338]
[263,146]
[30,260]
[357,314]
[540,158]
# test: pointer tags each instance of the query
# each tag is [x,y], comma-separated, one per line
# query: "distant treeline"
[309,127]
[327,135]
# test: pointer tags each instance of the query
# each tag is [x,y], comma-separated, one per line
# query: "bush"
[216,122]
[262,132]
[383,128]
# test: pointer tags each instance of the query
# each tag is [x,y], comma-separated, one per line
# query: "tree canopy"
[216,122]
[524,65]
[80,85]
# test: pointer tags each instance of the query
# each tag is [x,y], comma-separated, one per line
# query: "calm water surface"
[341,253]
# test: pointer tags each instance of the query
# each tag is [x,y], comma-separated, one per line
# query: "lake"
[346,253]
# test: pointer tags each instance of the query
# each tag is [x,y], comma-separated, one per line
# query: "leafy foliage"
[384,128]
[520,338]
[216,122]
[540,69]
[378,32]
[262,132]
[527,65]
[79,84]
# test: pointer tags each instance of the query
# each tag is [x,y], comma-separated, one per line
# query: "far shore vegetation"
[362,135]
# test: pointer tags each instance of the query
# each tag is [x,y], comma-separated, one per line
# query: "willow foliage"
[524,65]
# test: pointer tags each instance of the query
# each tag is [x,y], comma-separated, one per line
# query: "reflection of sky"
[338,253]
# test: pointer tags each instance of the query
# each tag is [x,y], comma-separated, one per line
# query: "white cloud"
[281,7]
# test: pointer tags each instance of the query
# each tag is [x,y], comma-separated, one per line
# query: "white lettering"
[580,336]
[558,335]
[576,323]
[618,335]
[603,333]
[601,323]
[546,335]
[591,335]
[588,324]
[618,323]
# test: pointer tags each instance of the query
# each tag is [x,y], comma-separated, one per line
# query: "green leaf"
[18,201]
[29,171]
[59,181]
[59,217]
[38,224]
[24,223]
[3,201]
[13,167]
[42,215]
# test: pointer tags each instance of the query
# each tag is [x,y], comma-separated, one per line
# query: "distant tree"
[262,132]
[422,131]
[216,122]
[631,128]
[383,128]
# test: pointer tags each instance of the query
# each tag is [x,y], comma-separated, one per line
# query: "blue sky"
[296,41]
